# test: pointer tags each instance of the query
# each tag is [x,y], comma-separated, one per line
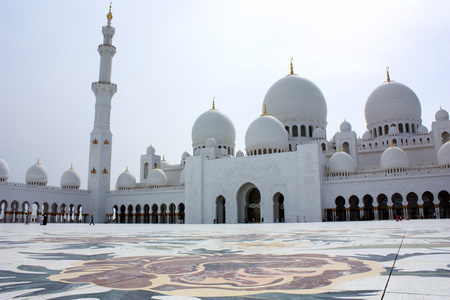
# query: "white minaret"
[101,136]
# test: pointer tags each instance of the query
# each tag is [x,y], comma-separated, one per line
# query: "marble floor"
[340,260]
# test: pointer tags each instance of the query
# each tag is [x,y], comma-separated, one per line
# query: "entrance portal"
[253,208]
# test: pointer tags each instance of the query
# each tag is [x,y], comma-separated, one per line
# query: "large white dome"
[394,158]
[126,180]
[37,174]
[4,170]
[213,124]
[296,98]
[392,101]
[341,163]
[157,177]
[71,179]
[443,156]
[266,132]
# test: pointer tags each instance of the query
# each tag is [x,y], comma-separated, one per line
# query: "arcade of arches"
[388,207]
[16,212]
[148,214]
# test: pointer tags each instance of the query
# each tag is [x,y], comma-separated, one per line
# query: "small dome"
[183,177]
[319,133]
[71,179]
[345,126]
[295,97]
[239,153]
[126,180]
[151,150]
[392,101]
[441,115]
[4,170]
[213,123]
[340,163]
[393,130]
[266,132]
[394,158]
[210,142]
[157,177]
[367,136]
[37,174]
[422,130]
[185,155]
[443,155]
[164,163]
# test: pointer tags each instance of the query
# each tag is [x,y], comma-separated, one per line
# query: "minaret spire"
[292,67]
[101,136]
[109,16]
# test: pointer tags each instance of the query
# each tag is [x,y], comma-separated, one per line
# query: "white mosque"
[290,171]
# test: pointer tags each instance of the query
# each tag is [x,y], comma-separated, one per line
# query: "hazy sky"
[173,57]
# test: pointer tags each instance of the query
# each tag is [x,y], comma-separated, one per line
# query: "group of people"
[45,220]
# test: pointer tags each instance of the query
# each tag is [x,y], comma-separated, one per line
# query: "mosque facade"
[290,171]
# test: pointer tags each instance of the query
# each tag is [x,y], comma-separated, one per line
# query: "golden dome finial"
[265,111]
[387,75]
[38,163]
[127,170]
[340,150]
[71,166]
[214,103]
[292,67]
[164,158]
[109,15]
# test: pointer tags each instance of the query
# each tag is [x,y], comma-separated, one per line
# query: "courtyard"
[409,259]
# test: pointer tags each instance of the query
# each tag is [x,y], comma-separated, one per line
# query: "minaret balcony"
[107,45]
[105,83]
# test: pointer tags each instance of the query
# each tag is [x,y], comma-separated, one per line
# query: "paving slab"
[332,260]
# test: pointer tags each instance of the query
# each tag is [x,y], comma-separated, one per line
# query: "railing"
[152,189]
[106,45]
[104,82]
[380,174]
[44,187]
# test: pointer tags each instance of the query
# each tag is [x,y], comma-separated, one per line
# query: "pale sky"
[173,57]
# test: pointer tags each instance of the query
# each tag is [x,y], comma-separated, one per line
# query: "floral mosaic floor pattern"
[341,260]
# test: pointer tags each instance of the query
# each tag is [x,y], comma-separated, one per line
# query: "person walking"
[92,220]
